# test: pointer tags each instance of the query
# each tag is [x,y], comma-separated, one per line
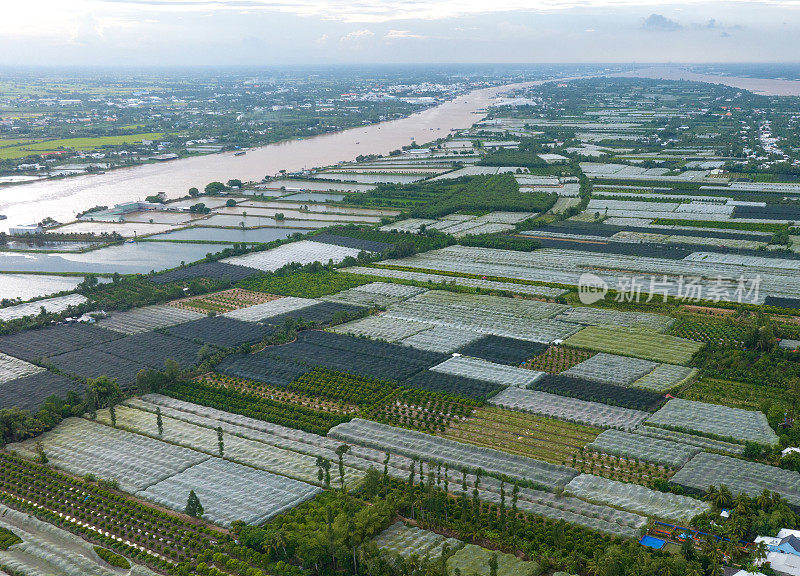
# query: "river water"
[765,86]
[62,199]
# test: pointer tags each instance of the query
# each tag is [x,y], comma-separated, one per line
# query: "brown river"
[62,199]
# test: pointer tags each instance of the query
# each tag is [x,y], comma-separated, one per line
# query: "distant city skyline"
[263,32]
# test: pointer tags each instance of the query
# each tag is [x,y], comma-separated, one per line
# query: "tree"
[230,203]
[193,192]
[40,455]
[324,471]
[493,564]
[193,506]
[112,411]
[220,442]
[213,188]
[341,450]
[235,182]
[159,421]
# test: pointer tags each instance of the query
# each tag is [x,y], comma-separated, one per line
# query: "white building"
[783,551]
[23,229]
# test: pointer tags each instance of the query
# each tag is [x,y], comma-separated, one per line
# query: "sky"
[274,32]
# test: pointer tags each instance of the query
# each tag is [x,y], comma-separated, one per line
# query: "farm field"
[277,393]
[714,421]
[740,476]
[634,498]
[46,549]
[557,359]
[437,278]
[348,375]
[735,394]
[569,409]
[645,448]
[519,433]
[221,302]
[637,343]
[147,318]
[83,144]
[458,456]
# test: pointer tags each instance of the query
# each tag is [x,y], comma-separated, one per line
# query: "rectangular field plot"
[230,491]
[221,331]
[478,282]
[200,435]
[441,339]
[262,368]
[32,345]
[690,439]
[382,327]
[221,302]
[645,448]
[531,309]
[638,343]
[29,392]
[611,369]
[360,356]
[503,350]
[261,312]
[348,242]
[302,252]
[93,363]
[665,377]
[405,541]
[715,421]
[519,433]
[569,409]
[12,368]
[482,321]
[52,305]
[635,498]
[474,561]
[478,369]
[463,386]
[380,294]
[281,449]
[600,317]
[457,455]
[557,359]
[152,349]
[595,391]
[147,318]
[83,447]
[214,270]
[707,469]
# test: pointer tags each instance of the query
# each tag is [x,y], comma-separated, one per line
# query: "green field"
[82,144]
[519,433]
[637,343]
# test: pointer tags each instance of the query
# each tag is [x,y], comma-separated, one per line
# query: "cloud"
[358,35]
[322,39]
[400,35]
[661,23]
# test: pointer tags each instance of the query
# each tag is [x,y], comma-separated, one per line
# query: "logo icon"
[591,288]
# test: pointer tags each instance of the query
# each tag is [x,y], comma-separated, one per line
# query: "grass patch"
[112,558]
[305,284]
[8,538]
[525,434]
[736,394]
[637,343]
[76,144]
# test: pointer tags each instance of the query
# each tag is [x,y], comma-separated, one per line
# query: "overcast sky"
[265,32]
